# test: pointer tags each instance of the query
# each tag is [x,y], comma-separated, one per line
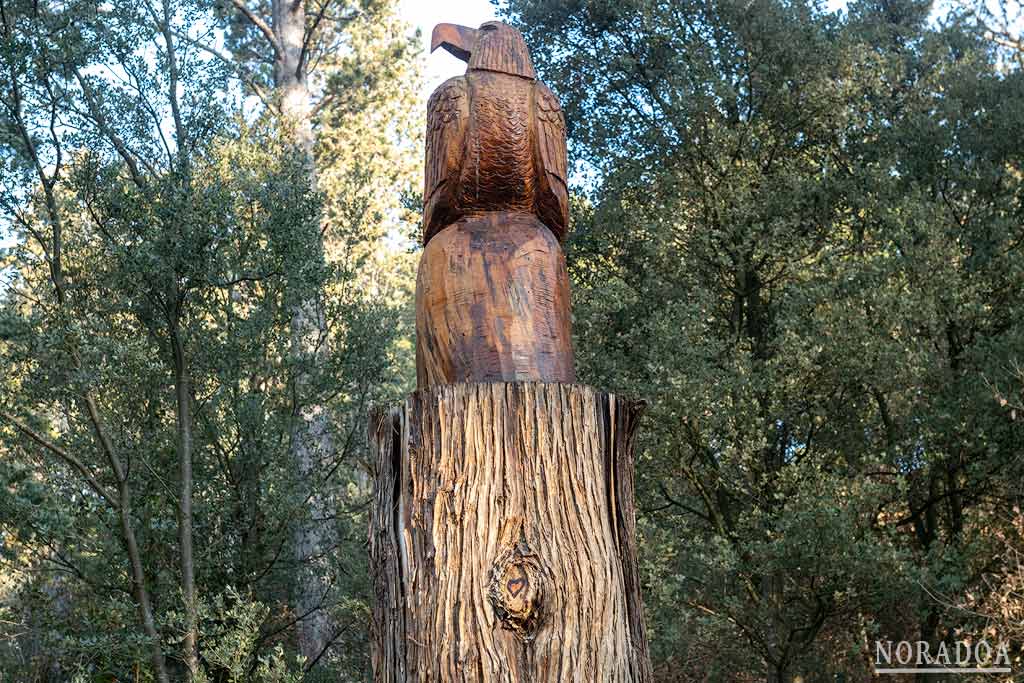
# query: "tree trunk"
[502,537]
[139,590]
[183,401]
[312,444]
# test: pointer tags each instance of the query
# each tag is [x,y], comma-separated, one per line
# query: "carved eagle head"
[494,46]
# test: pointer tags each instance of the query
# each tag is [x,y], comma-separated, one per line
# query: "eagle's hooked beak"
[458,40]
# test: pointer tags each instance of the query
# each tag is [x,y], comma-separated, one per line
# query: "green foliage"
[797,233]
[162,220]
[232,639]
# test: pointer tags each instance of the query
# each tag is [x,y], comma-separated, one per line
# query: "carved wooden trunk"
[492,304]
[502,537]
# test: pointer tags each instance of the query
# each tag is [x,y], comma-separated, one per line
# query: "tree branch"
[63,455]
[98,116]
[260,24]
[232,64]
[172,81]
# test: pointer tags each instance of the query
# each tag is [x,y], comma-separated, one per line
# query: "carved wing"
[549,136]
[447,116]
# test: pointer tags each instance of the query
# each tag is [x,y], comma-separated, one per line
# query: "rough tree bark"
[183,418]
[502,536]
[312,443]
[289,34]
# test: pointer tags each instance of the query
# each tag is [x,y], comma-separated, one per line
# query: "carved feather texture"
[447,117]
[502,50]
[553,195]
[497,174]
[495,142]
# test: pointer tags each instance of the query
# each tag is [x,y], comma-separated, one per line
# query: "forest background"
[798,233]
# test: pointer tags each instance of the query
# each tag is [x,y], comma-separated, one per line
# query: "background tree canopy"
[798,233]
[801,239]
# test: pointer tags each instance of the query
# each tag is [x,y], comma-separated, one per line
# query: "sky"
[425,14]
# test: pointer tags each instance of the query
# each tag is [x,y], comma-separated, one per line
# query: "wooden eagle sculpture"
[492,293]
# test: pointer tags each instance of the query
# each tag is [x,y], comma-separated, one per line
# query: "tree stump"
[502,537]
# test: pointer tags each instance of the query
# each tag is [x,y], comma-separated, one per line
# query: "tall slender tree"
[292,37]
[165,226]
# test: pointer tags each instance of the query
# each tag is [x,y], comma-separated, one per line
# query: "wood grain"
[502,539]
[492,298]
[495,142]
[492,304]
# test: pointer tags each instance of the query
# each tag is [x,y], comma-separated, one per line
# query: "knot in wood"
[516,589]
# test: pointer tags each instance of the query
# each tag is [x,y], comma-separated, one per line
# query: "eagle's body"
[492,289]
[495,142]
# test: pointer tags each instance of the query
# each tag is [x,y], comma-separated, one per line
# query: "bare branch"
[134,82]
[63,455]
[307,39]
[260,24]
[97,115]
[1005,42]
[172,80]
[233,64]
[108,447]
[47,184]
